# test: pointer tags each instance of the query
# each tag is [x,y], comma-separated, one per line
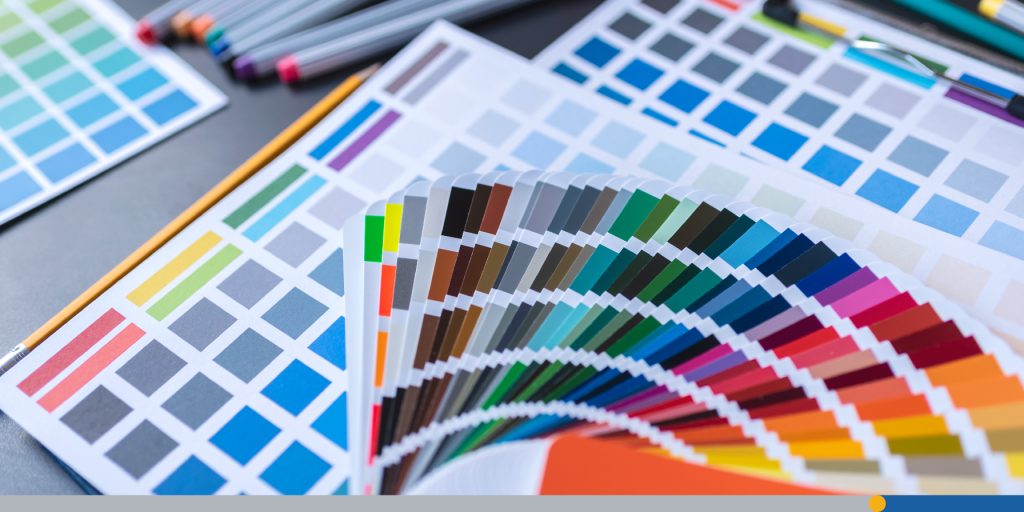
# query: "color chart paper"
[78,94]
[244,308]
[906,144]
[640,313]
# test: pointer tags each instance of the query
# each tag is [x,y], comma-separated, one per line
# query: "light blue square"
[780,141]
[493,128]
[142,83]
[538,150]
[169,107]
[244,435]
[40,137]
[18,111]
[887,190]
[684,96]
[526,97]
[116,62]
[67,87]
[618,139]
[191,479]
[1016,205]
[458,159]
[16,188]
[119,134]
[66,162]
[571,117]
[92,110]
[329,273]
[6,160]
[586,163]
[331,344]
[1005,239]
[946,215]
[295,471]
[295,387]
[333,423]
[918,156]
[639,74]
[976,180]
[729,117]
[832,165]
[667,161]
[863,132]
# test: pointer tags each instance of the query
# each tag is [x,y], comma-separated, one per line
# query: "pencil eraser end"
[244,68]
[288,69]
[145,32]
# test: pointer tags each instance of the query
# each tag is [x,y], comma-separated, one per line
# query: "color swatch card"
[494,308]
[78,94]
[848,119]
[218,365]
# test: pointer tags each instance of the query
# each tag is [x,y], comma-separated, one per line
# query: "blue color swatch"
[66,162]
[191,478]
[169,107]
[295,387]
[538,150]
[597,52]
[684,96]
[639,74]
[730,118]
[295,471]
[780,141]
[946,215]
[832,165]
[244,435]
[887,190]
[333,423]
[119,134]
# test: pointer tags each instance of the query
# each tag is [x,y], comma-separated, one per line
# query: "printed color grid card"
[78,94]
[800,102]
[241,314]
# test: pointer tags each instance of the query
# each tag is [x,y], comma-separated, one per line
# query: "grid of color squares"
[803,102]
[718,332]
[251,295]
[77,95]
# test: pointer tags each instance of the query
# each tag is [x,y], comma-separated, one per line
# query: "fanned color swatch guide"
[78,94]
[803,102]
[241,315]
[494,308]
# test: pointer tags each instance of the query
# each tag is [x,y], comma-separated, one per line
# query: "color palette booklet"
[78,94]
[487,309]
[218,364]
[848,119]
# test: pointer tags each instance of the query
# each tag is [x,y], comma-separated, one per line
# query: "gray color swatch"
[662,6]
[976,180]
[629,25]
[141,449]
[792,59]
[196,401]
[493,128]
[1016,205]
[947,121]
[295,244]
[97,413]
[671,47]
[294,313]
[336,207]
[746,40]
[526,97]
[248,355]
[458,159]
[761,88]
[918,155]
[863,132]
[702,20]
[150,368]
[405,275]
[202,324]
[330,273]
[716,67]
[412,219]
[811,110]
[250,283]
[893,100]
[841,79]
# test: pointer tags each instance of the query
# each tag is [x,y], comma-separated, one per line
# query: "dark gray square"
[671,47]
[811,109]
[746,40]
[716,67]
[154,365]
[250,283]
[792,59]
[702,20]
[629,25]
[762,88]
[141,449]
[196,401]
[662,6]
[294,313]
[863,132]
[248,355]
[96,414]
[202,324]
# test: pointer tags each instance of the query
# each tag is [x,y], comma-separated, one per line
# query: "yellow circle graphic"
[877,503]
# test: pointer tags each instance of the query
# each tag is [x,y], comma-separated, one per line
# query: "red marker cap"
[288,69]
[145,32]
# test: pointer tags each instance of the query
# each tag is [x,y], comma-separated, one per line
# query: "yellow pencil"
[264,156]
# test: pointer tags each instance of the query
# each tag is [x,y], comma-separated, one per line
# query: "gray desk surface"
[52,254]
